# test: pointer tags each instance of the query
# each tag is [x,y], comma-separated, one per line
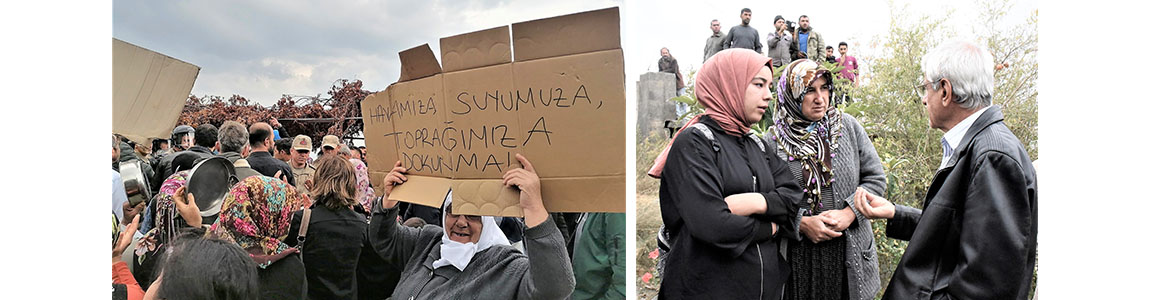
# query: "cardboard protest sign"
[149,90]
[560,103]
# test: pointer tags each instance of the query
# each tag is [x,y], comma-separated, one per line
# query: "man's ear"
[947,96]
[217,146]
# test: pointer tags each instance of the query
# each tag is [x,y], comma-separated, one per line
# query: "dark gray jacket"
[976,236]
[501,272]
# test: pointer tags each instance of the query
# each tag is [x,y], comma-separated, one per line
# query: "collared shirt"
[951,139]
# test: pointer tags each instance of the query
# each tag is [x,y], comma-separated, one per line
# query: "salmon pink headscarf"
[720,86]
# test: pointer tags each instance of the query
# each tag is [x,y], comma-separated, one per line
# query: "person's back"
[333,243]
[283,279]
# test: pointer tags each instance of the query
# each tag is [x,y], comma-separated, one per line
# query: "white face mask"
[460,254]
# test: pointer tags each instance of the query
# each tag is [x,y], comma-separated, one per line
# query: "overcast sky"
[263,49]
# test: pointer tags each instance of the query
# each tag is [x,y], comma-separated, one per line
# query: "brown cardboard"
[376,108]
[149,90]
[417,62]
[562,105]
[476,49]
[569,34]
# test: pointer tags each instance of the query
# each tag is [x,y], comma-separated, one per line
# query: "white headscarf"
[460,254]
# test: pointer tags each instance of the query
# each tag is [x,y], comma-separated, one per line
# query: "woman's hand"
[396,177]
[124,239]
[844,217]
[529,183]
[873,207]
[816,228]
[746,204]
[184,204]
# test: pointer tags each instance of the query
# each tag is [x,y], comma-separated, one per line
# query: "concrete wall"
[654,90]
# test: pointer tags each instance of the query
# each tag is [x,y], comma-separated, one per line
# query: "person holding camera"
[779,43]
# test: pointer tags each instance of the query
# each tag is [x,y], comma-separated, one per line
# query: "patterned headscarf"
[719,86]
[811,142]
[166,219]
[364,193]
[256,215]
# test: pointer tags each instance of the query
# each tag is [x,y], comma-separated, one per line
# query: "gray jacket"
[501,272]
[856,164]
[778,48]
[714,44]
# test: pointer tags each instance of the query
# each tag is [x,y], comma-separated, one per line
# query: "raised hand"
[529,183]
[185,205]
[396,177]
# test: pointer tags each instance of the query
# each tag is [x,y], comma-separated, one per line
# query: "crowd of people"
[787,215]
[786,43]
[295,226]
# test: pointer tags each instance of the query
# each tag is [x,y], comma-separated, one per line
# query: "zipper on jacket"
[759,256]
[761,259]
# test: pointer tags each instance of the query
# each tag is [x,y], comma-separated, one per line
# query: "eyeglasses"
[921,89]
[303,151]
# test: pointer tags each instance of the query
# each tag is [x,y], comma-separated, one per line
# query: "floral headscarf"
[364,193]
[811,142]
[256,215]
[166,219]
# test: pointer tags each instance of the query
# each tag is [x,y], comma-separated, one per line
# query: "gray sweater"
[741,36]
[856,164]
[501,272]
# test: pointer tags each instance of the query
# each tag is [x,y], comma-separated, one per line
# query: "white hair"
[967,66]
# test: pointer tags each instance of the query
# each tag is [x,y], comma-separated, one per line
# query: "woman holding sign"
[726,199]
[469,257]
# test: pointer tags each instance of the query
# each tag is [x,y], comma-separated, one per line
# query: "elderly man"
[233,145]
[261,160]
[976,236]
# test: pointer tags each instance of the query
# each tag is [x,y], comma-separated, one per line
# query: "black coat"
[283,279]
[976,237]
[263,162]
[333,243]
[716,254]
